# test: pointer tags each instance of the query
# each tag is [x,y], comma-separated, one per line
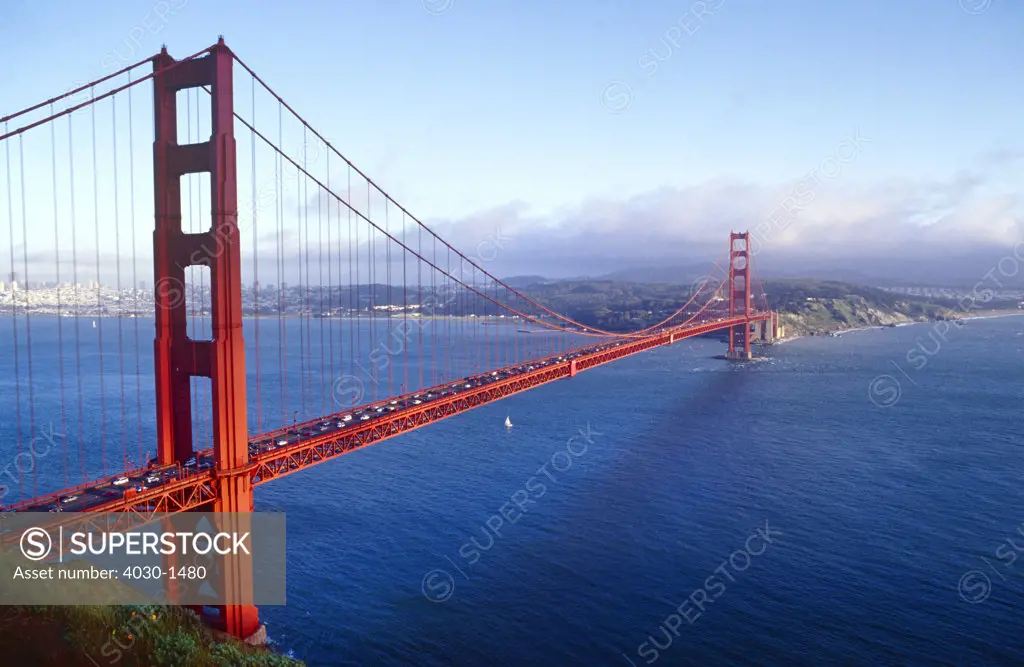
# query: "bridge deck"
[287,450]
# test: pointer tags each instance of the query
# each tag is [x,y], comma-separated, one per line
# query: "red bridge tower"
[178,358]
[739,294]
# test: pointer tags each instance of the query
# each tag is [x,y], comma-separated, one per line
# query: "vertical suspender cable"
[257,287]
[387,273]
[99,294]
[330,289]
[14,313]
[120,295]
[282,334]
[135,277]
[60,310]
[74,277]
[320,273]
[303,287]
[28,314]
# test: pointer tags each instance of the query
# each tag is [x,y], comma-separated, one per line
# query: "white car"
[69,499]
[152,479]
[346,418]
[282,442]
[120,481]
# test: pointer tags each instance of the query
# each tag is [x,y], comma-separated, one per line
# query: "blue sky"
[462,108]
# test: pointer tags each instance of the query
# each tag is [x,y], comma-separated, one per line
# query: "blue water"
[889,512]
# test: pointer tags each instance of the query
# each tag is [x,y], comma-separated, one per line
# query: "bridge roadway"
[177,488]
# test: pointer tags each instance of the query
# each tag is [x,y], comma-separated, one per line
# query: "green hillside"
[806,306]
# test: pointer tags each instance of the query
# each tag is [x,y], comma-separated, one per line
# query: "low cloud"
[938,219]
[959,225]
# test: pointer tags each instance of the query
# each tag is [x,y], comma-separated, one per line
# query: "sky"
[601,134]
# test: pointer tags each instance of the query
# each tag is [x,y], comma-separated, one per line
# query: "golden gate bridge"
[370,275]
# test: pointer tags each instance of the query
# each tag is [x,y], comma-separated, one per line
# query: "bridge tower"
[739,294]
[178,358]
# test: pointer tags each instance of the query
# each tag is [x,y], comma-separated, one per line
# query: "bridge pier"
[239,621]
[178,358]
[739,355]
[765,331]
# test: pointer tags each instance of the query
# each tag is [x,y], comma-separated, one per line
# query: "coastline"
[981,315]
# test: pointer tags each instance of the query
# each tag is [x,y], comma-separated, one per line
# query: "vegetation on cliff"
[88,636]
[816,307]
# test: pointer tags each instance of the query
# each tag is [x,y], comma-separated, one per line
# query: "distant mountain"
[962,270]
[676,275]
[688,273]
[520,282]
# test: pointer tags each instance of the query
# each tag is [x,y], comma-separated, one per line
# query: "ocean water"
[892,523]
[848,501]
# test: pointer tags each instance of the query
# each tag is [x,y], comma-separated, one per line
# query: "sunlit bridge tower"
[739,294]
[178,358]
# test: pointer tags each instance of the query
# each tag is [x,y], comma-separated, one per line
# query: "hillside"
[816,307]
[806,306]
[609,304]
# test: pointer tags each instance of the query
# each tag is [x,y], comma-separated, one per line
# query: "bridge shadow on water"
[873,515]
[614,543]
[622,548]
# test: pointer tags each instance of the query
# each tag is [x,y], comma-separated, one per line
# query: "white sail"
[508,422]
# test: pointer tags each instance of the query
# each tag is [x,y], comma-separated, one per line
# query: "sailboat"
[508,422]
[94,324]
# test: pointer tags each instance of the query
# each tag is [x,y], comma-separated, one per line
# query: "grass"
[132,636]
